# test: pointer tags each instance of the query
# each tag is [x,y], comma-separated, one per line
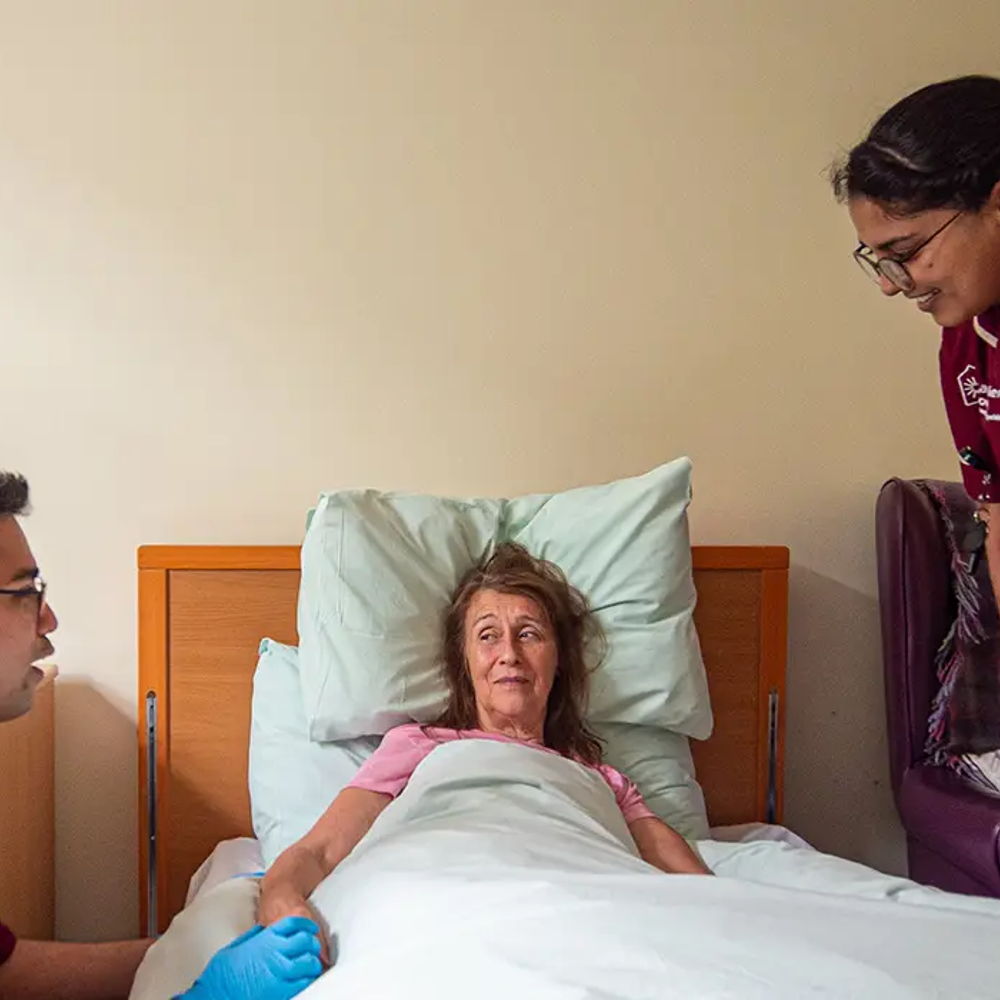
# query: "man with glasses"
[264,964]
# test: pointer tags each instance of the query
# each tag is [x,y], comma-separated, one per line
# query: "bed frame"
[203,610]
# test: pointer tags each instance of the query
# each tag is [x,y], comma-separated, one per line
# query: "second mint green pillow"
[378,570]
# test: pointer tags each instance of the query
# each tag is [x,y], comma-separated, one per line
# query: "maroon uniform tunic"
[970,381]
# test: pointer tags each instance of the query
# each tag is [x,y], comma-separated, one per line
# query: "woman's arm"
[297,871]
[663,847]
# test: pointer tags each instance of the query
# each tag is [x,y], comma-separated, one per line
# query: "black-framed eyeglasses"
[893,269]
[36,588]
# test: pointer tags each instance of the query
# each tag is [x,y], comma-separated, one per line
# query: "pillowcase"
[378,571]
[662,768]
[292,779]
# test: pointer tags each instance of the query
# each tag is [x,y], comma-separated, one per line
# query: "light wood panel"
[219,557]
[27,819]
[203,611]
[741,619]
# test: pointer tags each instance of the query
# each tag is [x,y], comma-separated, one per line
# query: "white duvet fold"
[505,872]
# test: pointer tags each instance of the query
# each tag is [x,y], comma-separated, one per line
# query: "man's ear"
[993,201]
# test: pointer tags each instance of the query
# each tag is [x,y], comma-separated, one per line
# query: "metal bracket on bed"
[772,755]
[151,748]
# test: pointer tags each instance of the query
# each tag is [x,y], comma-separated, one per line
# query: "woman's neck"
[517,729]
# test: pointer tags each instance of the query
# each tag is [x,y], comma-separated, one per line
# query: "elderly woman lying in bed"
[514,656]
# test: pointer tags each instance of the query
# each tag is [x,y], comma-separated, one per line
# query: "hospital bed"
[780,920]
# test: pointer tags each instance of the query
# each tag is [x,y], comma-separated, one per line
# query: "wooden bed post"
[153,760]
[773,657]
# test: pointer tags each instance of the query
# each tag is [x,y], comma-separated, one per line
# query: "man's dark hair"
[13,494]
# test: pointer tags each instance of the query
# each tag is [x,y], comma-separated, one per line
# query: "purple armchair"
[952,828]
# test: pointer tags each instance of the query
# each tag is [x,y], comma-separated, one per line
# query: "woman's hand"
[986,514]
[271,910]
[296,872]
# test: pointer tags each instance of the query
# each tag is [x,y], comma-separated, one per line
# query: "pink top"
[389,768]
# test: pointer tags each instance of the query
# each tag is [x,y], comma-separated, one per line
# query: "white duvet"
[504,872]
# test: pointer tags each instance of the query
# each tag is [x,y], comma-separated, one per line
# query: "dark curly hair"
[13,494]
[513,570]
[939,147]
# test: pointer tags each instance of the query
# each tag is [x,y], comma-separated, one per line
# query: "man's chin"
[18,703]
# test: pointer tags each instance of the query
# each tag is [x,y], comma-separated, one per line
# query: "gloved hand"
[266,963]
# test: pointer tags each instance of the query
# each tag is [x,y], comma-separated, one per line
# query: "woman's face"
[511,653]
[957,274]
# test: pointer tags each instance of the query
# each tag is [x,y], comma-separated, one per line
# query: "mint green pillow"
[661,765]
[292,779]
[378,570]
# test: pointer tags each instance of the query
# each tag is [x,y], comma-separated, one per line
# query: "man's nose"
[47,621]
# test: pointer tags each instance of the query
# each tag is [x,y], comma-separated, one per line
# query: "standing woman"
[923,191]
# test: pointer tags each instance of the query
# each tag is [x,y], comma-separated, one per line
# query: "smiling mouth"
[512,680]
[924,301]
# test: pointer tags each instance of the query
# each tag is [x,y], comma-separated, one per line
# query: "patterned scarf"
[965,713]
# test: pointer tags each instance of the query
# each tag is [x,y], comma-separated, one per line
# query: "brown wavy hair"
[579,637]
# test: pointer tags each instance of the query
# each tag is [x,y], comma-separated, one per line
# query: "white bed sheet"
[234,858]
[501,872]
[242,856]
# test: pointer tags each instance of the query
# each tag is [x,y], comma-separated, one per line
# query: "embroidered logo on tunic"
[976,393]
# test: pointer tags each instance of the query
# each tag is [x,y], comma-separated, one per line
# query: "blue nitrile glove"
[266,963]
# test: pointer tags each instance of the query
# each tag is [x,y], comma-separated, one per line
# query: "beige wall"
[252,250]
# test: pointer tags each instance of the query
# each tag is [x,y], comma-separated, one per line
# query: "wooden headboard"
[204,609]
